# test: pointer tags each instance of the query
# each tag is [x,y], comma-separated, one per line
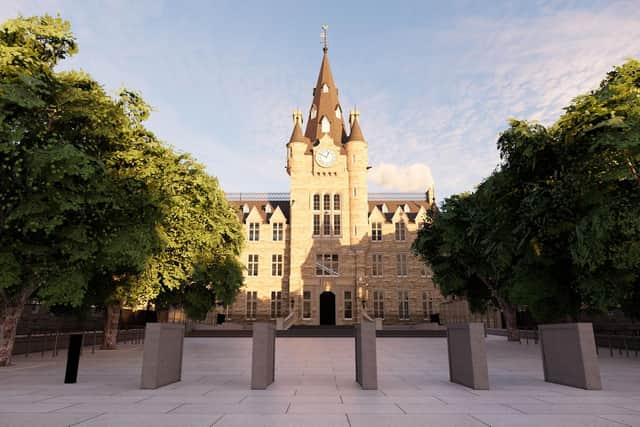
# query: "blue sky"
[434,81]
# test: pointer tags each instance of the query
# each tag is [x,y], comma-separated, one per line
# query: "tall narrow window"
[336,202]
[376,231]
[278,232]
[276,304]
[348,305]
[403,305]
[401,231]
[376,265]
[401,264]
[326,230]
[336,225]
[325,125]
[316,202]
[276,265]
[378,304]
[354,192]
[252,304]
[316,225]
[252,265]
[427,304]
[326,202]
[306,305]
[254,231]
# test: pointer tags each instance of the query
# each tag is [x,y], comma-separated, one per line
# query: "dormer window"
[245,208]
[325,88]
[314,112]
[325,125]
[384,208]
[338,113]
[268,209]
[406,208]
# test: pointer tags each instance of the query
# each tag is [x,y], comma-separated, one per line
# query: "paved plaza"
[314,387]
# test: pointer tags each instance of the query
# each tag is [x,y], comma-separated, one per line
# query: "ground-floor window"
[427,304]
[252,304]
[403,305]
[276,304]
[378,304]
[348,305]
[306,305]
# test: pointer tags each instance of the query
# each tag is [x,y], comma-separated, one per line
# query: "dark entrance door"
[327,308]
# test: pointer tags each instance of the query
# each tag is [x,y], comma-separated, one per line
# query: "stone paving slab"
[315,386]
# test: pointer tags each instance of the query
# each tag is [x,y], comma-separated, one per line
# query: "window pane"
[326,202]
[316,225]
[336,202]
[336,225]
[327,224]
[316,202]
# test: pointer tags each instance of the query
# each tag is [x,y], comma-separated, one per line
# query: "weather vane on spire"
[323,36]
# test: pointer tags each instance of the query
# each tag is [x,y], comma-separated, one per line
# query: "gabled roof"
[393,205]
[260,206]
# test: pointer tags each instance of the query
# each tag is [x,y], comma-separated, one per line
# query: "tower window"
[336,225]
[316,202]
[325,88]
[336,202]
[325,125]
[326,202]
[316,225]
[338,112]
[314,112]
[326,230]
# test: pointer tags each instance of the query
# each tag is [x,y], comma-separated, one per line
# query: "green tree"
[59,205]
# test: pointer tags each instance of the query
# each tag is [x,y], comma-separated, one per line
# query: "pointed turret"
[325,115]
[296,135]
[356,133]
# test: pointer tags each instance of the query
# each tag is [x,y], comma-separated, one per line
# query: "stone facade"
[328,248]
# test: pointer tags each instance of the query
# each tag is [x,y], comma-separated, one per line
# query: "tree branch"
[633,169]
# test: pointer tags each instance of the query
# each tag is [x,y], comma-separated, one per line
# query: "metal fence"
[616,342]
[44,341]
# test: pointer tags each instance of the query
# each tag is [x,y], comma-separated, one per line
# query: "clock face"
[326,158]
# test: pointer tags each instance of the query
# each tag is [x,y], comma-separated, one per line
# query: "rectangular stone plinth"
[162,358]
[569,355]
[366,360]
[468,355]
[263,355]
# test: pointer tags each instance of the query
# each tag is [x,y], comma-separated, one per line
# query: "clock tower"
[328,196]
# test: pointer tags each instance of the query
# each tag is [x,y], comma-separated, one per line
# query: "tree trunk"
[511,320]
[9,316]
[112,318]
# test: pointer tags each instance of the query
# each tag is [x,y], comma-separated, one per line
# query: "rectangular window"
[336,225]
[316,225]
[252,304]
[252,265]
[376,231]
[427,304]
[254,231]
[306,305]
[326,230]
[276,265]
[401,231]
[276,304]
[378,304]
[403,305]
[401,264]
[326,202]
[327,265]
[376,265]
[316,202]
[336,202]
[348,305]
[278,231]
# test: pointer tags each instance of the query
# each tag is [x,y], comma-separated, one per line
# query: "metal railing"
[285,196]
[44,341]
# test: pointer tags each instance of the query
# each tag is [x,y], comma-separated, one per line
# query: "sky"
[435,81]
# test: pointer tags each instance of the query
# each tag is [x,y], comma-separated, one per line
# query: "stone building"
[329,248]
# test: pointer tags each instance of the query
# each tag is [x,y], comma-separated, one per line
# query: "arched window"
[325,88]
[326,202]
[314,112]
[336,202]
[316,202]
[325,125]
[338,112]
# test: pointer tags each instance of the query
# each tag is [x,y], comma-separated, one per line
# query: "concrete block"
[569,355]
[162,358]
[468,355]
[366,360]
[263,355]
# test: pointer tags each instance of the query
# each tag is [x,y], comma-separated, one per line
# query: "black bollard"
[73,358]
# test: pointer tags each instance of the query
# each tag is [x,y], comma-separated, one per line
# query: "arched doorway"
[327,308]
